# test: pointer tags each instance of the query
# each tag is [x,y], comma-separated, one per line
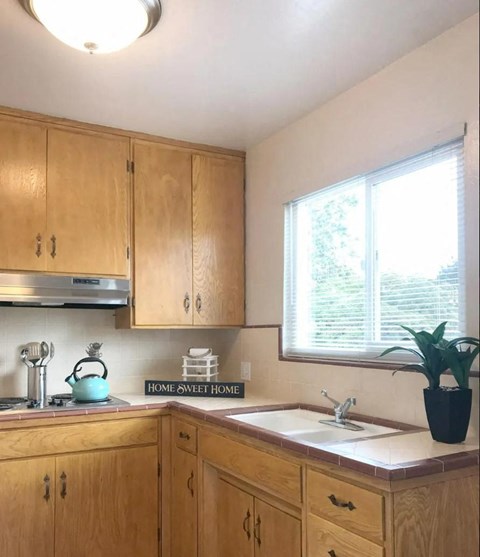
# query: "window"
[374,252]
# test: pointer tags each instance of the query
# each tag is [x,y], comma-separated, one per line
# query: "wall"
[130,356]
[408,106]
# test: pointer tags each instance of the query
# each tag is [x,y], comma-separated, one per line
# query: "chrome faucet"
[340,409]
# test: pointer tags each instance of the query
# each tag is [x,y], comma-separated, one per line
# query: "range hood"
[31,290]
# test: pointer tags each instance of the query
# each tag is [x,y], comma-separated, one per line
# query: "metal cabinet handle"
[246,524]
[332,553]
[350,506]
[256,531]
[186,302]
[190,484]
[38,238]
[53,253]
[184,435]
[198,303]
[46,481]
[63,493]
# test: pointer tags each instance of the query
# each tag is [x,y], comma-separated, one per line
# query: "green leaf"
[439,331]
[396,348]
[432,382]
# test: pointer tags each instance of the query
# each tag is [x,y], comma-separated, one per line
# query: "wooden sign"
[217,389]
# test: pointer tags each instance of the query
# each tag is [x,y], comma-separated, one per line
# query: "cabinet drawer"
[348,505]
[325,538]
[281,477]
[78,437]
[185,436]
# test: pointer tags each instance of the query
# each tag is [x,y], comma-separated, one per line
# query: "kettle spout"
[71,379]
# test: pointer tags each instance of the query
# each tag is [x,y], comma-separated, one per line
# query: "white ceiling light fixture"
[96,26]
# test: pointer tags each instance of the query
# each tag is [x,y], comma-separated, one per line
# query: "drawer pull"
[190,484]
[246,524]
[198,303]
[256,531]
[53,253]
[332,553]
[184,435]
[63,493]
[46,481]
[186,302]
[350,506]
[38,238]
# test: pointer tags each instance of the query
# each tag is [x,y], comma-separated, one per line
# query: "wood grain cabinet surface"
[101,503]
[63,200]
[188,229]
[184,511]
[250,527]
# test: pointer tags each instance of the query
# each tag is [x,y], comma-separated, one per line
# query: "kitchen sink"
[305,426]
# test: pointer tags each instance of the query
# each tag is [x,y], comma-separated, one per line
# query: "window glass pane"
[373,253]
[416,233]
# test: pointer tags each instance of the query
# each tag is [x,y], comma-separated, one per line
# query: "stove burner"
[11,400]
[62,396]
[5,407]
[75,401]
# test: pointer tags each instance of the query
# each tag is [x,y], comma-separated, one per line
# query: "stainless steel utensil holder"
[37,386]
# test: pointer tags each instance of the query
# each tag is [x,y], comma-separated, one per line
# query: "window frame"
[370,180]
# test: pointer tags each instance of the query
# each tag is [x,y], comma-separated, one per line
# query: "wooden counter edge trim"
[66,122]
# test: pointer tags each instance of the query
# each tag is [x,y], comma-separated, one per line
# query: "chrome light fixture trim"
[152,9]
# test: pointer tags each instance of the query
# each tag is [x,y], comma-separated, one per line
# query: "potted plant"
[448,408]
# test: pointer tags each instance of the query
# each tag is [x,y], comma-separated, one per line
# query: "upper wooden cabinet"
[23,209]
[63,200]
[188,238]
[87,186]
[218,241]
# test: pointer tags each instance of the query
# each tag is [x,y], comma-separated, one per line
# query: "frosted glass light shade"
[96,26]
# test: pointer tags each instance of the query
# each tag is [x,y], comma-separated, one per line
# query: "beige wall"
[408,106]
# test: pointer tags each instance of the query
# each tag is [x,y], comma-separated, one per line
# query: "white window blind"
[375,252]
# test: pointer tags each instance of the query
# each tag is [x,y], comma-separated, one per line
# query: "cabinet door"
[23,156]
[27,499]
[163,235]
[184,504]
[107,503]
[87,186]
[218,241]
[235,522]
[276,532]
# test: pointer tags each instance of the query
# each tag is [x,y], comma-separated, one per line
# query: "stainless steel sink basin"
[304,426]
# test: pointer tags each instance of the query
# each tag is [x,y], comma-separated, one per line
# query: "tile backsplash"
[377,391]
[131,356]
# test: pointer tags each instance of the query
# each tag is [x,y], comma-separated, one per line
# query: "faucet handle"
[332,400]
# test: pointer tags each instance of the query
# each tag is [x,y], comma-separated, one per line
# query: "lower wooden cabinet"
[106,503]
[184,504]
[250,527]
[82,496]
[27,501]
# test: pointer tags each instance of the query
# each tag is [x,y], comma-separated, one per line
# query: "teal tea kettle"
[91,387]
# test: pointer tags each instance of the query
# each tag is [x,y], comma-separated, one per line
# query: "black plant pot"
[448,413]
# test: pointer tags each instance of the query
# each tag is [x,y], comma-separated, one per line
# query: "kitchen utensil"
[91,387]
[34,352]
[51,353]
[24,358]
[44,351]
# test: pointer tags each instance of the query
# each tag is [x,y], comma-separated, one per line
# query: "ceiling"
[222,72]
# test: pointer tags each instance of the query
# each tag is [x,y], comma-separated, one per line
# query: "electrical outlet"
[246,371]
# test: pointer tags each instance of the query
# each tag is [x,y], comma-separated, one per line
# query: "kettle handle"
[89,359]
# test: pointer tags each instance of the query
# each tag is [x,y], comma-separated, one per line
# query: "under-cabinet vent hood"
[31,290]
